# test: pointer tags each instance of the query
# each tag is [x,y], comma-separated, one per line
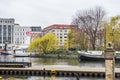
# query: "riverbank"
[62,56]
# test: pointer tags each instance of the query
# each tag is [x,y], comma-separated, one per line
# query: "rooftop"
[60,26]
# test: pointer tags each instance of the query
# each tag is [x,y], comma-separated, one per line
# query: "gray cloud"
[47,12]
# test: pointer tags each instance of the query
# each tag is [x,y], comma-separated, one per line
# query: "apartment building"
[6,32]
[60,30]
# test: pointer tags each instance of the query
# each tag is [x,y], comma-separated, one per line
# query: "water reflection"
[73,62]
[95,64]
[54,61]
[49,78]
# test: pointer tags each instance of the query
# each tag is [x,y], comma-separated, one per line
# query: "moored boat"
[95,56]
[3,52]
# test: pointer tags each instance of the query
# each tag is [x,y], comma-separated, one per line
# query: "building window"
[9,34]
[5,21]
[65,36]
[9,30]
[0,29]
[65,30]
[10,21]
[65,33]
[60,40]
[53,30]
[0,47]
[60,36]
[9,27]
[0,39]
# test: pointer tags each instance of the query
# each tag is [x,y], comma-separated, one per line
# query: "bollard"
[109,63]
[53,71]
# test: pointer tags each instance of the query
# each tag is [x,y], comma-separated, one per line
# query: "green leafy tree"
[113,32]
[76,39]
[71,38]
[45,44]
[66,45]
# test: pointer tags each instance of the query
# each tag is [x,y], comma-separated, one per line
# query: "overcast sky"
[47,12]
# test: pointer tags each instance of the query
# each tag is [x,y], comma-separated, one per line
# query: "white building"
[6,32]
[21,35]
[24,34]
[60,30]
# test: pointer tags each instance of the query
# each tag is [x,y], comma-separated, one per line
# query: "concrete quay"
[57,70]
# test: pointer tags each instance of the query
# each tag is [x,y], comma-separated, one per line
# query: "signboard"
[28,33]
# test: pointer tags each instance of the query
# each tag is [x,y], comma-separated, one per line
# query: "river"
[59,62]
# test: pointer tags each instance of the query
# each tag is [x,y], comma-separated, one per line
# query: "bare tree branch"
[89,21]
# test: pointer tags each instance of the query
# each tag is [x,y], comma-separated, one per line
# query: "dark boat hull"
[5,53]
[86,57]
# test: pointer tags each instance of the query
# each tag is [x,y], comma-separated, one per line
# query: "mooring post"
[109,63]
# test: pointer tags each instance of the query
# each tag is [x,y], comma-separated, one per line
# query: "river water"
[59,62]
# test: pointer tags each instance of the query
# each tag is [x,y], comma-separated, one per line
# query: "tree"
[71,38]
[113,32]
[81,40]
[70,42]
[76,39]
[44,44]
[89,21]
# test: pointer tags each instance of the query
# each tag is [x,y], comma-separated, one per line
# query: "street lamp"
[5,48]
